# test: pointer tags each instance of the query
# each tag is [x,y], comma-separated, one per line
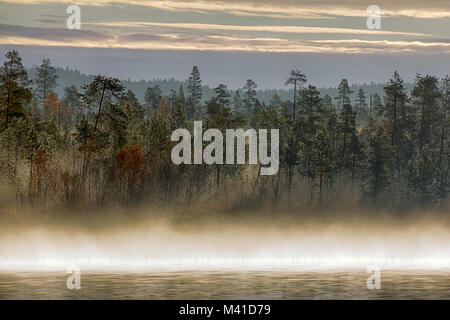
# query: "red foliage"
[130,160]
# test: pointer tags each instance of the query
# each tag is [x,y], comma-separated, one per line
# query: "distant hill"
[68,77]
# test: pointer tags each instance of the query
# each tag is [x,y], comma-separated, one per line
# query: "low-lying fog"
[256,241]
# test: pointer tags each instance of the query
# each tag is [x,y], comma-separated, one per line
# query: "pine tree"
[132,100]
[377,106]
[361,107]
[327,101]
[330,123]
[72,100]
[219,116]
[134,113]
[45,79]
[378,178]
[443,166]
[296,78]
[179,111]
[178,115]
[117,122]
[343,94]
[107,92]
[397,112]
[52,107]
[276,102]
[152,98]
[323,163]
[237,103]
[346,132]
[83,134]
[426,95]
[356,157]
[427,98]
[309,120]
[14,87]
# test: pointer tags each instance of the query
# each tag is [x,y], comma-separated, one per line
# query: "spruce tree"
[237,103]
[250,97]
[195,94]
[222,95]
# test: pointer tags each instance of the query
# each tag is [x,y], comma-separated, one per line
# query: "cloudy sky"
[233,40]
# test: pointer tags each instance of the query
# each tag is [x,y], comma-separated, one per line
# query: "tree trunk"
[289,182]
[394,124]
[422,125]
[320,187]
[218,177]
[89,151]
[8,102]
[295,97]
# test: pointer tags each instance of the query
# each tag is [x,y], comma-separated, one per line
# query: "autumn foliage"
[130,169]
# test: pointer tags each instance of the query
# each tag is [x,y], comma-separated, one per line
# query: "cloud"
[50,34]
[49,21]
[138,37]
[281,8]
[186,40]
[256,28]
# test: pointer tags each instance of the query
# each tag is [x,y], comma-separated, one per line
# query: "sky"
[233,40]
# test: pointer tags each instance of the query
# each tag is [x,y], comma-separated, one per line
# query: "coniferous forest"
[98,145]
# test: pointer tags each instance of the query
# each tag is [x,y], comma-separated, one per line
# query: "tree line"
[99,145]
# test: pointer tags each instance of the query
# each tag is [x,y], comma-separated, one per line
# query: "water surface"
[227,284]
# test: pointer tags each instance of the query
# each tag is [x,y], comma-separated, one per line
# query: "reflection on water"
[337,284]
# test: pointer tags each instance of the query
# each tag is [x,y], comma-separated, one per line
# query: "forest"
[99,146]
[68,77]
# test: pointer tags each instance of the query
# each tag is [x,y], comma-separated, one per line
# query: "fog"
[144,240]
[234,68]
